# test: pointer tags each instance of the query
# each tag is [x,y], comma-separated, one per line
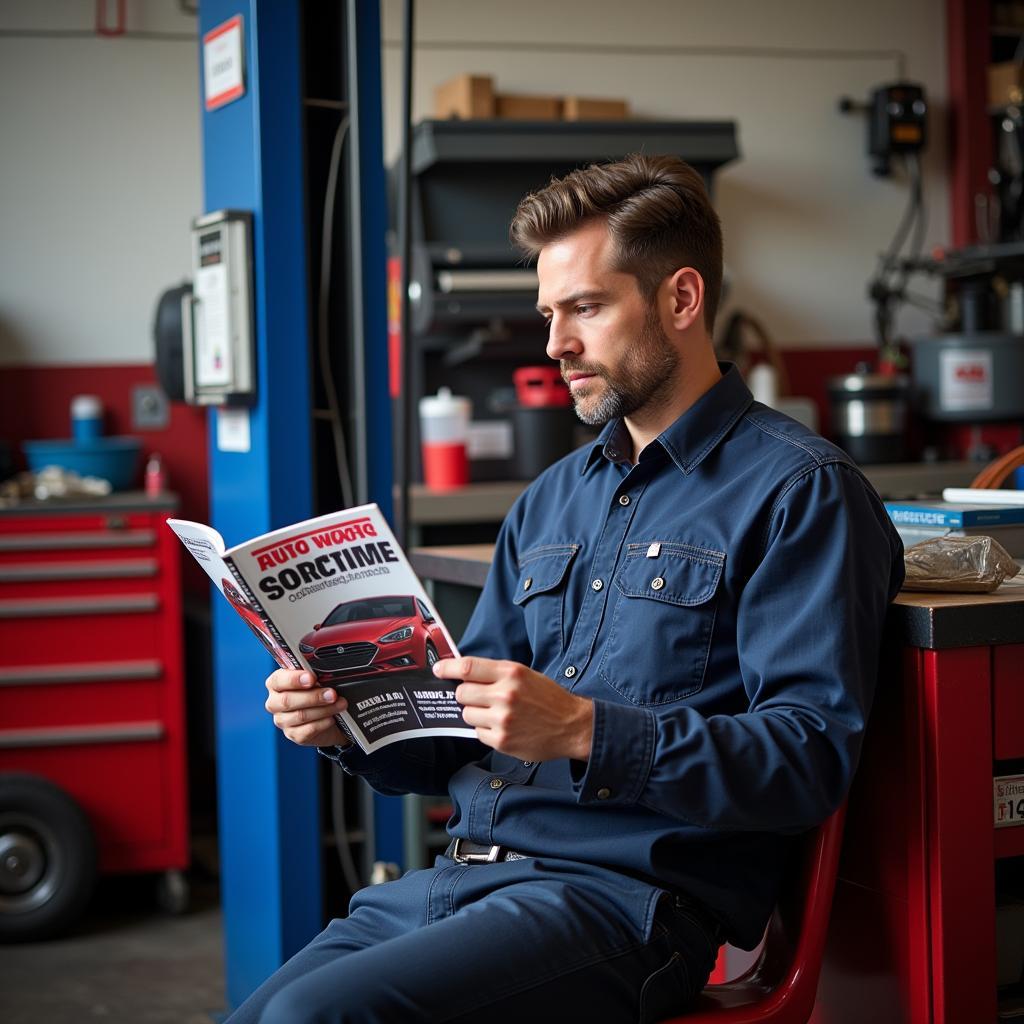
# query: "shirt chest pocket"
[662,619]
[540,593]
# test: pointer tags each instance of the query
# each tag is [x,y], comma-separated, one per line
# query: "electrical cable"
[887,258]
[327,373]
[888,286]
[341,840]
[922,211]
[338,827]
[403,445]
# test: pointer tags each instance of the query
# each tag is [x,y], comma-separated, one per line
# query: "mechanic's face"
[609,340]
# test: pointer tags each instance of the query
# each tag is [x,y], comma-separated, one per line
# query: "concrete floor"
[126,961]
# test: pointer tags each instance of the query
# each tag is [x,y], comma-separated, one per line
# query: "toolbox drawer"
[35,631]
[125,782]
[91,674]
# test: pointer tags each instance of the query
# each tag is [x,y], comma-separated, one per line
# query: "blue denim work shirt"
[722,603]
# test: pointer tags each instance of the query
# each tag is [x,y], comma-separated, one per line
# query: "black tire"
[47,859]
[431,655]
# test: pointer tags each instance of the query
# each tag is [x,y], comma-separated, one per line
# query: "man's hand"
[304,712]
[518,711]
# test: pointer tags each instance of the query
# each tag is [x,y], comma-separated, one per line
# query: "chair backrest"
[780,987]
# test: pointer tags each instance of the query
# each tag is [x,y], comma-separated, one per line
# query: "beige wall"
[804,218]
[100,159]
[100,173]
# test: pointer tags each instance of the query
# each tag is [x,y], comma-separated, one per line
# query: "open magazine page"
[207,547]
[345,599]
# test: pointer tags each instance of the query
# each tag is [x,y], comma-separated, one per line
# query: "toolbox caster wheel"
[47,859]
[173,892]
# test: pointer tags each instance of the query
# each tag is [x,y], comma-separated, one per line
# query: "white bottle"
[763,380]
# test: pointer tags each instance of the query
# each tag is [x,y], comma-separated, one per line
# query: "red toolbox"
[92,711]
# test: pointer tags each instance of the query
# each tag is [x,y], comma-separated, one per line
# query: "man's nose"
[562,341]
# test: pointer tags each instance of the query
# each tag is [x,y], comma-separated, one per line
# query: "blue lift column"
[268,796]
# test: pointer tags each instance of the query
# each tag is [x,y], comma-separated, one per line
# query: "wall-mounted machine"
[220,364]
[204,329]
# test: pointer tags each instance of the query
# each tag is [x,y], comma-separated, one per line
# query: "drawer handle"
[99,605]
[32,572]
[59,541]
[77,735]
[86,672]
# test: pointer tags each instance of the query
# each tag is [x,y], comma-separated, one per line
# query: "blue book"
[946,515]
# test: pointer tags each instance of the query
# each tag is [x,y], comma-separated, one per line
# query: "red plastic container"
[540,386]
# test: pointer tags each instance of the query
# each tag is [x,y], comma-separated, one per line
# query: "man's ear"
[685,295]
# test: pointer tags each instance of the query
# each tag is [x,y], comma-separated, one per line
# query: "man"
[669,670]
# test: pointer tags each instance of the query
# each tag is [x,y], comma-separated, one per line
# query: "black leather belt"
[463,851]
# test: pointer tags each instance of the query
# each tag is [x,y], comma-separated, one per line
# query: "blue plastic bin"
[113,458]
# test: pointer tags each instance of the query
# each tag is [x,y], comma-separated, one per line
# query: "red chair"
[781,986]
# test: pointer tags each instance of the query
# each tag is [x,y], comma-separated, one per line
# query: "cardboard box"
[469,97]
[581,108]
[528,108]
[1005,83]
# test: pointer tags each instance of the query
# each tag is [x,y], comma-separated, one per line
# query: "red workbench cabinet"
[91,670]
[913,932]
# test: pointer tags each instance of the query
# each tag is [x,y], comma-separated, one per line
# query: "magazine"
[336,596]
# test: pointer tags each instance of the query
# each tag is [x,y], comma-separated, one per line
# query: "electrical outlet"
[150,408]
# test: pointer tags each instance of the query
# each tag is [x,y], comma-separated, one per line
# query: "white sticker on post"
[965,380]
[223,69]
[233,434]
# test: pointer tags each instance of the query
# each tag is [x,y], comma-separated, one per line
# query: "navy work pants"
[523,940]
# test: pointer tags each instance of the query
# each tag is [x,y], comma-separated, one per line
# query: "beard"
[645,378]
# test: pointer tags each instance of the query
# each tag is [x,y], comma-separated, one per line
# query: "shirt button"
[570,672]
[612,453]
[657,583]
[597,584]
[603,793]
[527,583]
[527,764]
[623,499]
[496,783]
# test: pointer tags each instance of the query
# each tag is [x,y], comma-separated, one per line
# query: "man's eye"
[586,309]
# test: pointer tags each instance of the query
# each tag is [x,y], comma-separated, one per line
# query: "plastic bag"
[958,564]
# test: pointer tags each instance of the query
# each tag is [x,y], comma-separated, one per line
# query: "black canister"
[542,436]
[543,422]
[869,416]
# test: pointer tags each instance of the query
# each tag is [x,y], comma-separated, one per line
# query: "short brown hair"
[658,212]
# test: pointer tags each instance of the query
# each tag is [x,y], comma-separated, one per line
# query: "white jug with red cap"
[444,433]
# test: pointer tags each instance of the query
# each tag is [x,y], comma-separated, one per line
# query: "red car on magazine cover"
[373,635]
[254,621]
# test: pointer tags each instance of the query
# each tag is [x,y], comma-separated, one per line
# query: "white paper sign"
[233,433]
[223,70]
[965,380]
[213,330]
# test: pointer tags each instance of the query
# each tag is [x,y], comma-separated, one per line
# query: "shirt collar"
[691,437]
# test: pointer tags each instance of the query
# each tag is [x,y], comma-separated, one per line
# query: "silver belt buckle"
[490,857]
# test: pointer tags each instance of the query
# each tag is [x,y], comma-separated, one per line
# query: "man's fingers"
[314,713]
[293,700]
[289,679]
[480,695]
[480,670]
[307,734]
